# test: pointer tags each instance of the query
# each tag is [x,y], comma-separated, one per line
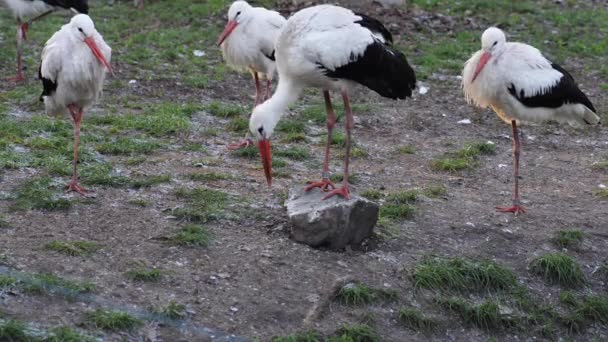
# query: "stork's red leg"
[516,208]
[350,123]
[325,184]
[21,36]
[246,142]
[77,118]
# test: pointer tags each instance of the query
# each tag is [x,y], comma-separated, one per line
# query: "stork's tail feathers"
[380,68]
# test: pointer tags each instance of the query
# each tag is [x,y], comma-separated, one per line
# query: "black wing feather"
[80,5]
[48,86]
[564,92]
[375,26]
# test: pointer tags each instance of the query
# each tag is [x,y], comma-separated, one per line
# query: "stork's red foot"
[16,79]
[73,186]
[515,209]
[343,191]
[243,144]
[325,185]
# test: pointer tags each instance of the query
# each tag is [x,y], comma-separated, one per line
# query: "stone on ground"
[335,222]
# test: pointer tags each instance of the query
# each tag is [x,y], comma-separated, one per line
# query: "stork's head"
[262,123]
[493,41]
[82,27]
[238,13]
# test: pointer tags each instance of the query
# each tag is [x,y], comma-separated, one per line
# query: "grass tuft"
[192,235]
[293,152]
[559,268]
[462,274]
[112,320]
[203,204]
[39,193]
[14,331]
[372,194]
[67,334]
[43,283]
[306,336]
[485,315]
[568,238]
[406,149]
[415,320]
[435,191]
[6,281]
[356,294]
[73,248]
[173,310]
[463,159]
[145,274]
[355,333]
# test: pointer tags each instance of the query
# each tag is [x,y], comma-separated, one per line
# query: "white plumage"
[26,8]
[69,63]
[334,49]
[74,64]
[521,85]
[249,42]
[524,68]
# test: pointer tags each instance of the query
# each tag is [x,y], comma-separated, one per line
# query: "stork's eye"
[261,130]
[237,14]
[496,42]
[80,29]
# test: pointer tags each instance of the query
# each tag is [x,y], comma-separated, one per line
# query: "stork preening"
[74,65]
[521,85]
[37,9]
[247,43]
[334,49]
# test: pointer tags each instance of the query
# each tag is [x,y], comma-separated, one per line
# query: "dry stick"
[317,309]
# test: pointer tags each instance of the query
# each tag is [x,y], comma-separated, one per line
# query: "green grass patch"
[225,110]
[372,194]
[12,330]
[568,238]
[415,320]
[145,274]
[291,126]
[338,177]
[128,146]
[462,274]
[39,193]
[6,281]
[72,248]
[46,283]
[140,202]
[247,152]
[406,149]
[112,320]
[559,268]
[356,294]
[209,176]
[435,191]
[463,159]
[601,194]
[149,181]
[355,333]
[238,125]
[399,206]
[202,204]
[67,334]
[486,315]
[192,235]
[173,310]
[295,137]
[293,152]
[305,336]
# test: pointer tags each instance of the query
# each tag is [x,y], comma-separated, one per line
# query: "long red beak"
[227,31]
[483,60]
[93,46]
[264,146]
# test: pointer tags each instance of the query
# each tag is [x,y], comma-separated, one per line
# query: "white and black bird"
[73,68]
[36,9]
[334,49]
[247,43]
[521,85]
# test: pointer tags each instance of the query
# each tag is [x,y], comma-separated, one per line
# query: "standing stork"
[521,85]
[74,65]
[334,49]
[38,9]
[247,43]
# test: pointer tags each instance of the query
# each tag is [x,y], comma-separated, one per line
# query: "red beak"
[91,43]
[483,60]
[227,31]
[264,146]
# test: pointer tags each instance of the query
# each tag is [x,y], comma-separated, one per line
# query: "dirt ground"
[254,282]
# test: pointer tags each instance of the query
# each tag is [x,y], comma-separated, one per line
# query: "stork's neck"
[287,93]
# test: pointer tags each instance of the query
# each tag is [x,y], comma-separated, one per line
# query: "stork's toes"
[243,144]
[343,191]
[325,185]
[515,209]
[73,186]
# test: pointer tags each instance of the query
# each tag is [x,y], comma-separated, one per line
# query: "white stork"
[334,49]
[521,85]
[74,65]
[247,43]
[38,9]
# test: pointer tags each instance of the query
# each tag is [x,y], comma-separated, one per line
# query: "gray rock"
[334,222]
